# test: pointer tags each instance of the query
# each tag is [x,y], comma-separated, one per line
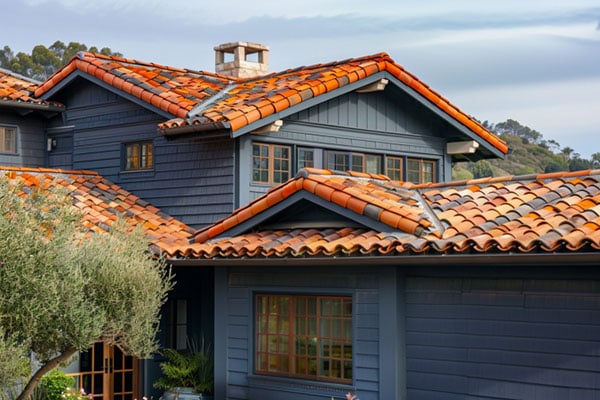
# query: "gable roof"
[198,101]
[102,201]
[254,102]
[537,214]
[16,91]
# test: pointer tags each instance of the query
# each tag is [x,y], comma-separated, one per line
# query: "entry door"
[107,373]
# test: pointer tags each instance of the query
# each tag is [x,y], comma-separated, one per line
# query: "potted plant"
[187,375]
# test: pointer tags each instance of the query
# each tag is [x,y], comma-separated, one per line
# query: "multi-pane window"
[393,168]
[304,336]
[8,139]
[138,156]
[306,158]
[360,162]
[270,163]
[420,171]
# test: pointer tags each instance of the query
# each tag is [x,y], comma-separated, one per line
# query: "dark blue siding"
[236,307]
[191,180]
[31,144]
[503,339]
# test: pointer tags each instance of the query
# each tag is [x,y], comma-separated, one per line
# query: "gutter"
[543,259]
[31,106]
[190,129]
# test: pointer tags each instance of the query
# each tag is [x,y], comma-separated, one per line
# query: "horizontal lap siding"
[192,180]
[502,339]
[31,146]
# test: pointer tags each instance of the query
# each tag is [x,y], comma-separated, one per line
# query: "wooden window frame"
[143,160]
[8,148]
[398,174]
[304,339]
[421,163]
[270,167]
[353,161]
[301,161]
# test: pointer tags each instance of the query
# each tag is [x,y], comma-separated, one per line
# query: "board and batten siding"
[234,313]
[503,339]
[31,143]
[374,123]
[192,180]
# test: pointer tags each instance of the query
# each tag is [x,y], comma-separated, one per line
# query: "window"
[270,163]
[138,156]
[420,171]
[8,139]
[306,158]
[359,162]
[304,336]
[394,168]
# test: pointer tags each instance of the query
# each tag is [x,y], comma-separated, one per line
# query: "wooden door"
[108,374]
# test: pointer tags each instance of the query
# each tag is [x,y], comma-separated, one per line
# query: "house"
[200,144]
[475,289]
[23,119]
[338,282]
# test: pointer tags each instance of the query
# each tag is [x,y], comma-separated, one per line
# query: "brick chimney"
[241,67]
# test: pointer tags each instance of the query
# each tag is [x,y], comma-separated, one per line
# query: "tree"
[481,169]
[512,127]
[62,287]
[43,62]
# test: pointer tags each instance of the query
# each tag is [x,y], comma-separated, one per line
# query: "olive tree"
[64,286]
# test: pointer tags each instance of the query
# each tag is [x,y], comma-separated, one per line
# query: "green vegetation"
[529,154]
[44,61]
[62,287]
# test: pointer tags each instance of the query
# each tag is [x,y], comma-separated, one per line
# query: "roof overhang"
[589,259]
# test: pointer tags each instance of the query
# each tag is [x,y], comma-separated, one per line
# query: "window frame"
[291,350]
[15,132]
[140,166]
[421,162]
[271,163]
[352,161]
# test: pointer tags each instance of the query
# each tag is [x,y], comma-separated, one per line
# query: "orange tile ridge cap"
[49,170]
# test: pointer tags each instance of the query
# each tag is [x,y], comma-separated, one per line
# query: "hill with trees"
[529,153]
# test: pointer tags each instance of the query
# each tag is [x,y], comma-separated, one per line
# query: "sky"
[534,61]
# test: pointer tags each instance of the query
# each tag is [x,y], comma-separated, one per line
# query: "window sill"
[137,174]
[304,386]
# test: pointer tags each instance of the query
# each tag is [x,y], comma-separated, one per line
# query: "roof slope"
[17,90]
[548,213]
[173,90]
[101,202]
[200,100]
[252,100]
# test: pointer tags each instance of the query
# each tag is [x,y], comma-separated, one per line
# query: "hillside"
[529,153]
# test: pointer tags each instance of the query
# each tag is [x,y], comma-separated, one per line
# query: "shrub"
[55,383]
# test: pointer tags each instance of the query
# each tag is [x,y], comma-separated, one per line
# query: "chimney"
[240,67]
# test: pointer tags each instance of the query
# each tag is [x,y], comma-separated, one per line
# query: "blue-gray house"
[380,280]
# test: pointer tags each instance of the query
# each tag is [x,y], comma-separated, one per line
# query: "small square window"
[8,139]
[420,171]
[270,163]
[139,156]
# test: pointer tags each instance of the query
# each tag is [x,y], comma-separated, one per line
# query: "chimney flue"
[241,67]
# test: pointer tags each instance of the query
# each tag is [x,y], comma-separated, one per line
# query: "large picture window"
[8,139]
[270,163]
[138,156]
[304,336]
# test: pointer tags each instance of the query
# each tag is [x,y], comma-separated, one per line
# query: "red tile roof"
[101,202]
[16,89]
[529,214]
[199,100]
[173,90]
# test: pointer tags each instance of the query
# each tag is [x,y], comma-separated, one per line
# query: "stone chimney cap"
[241,67]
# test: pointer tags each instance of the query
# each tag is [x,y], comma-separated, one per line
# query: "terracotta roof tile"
[102,202]
[19,90]
[532,214]
[280,91]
